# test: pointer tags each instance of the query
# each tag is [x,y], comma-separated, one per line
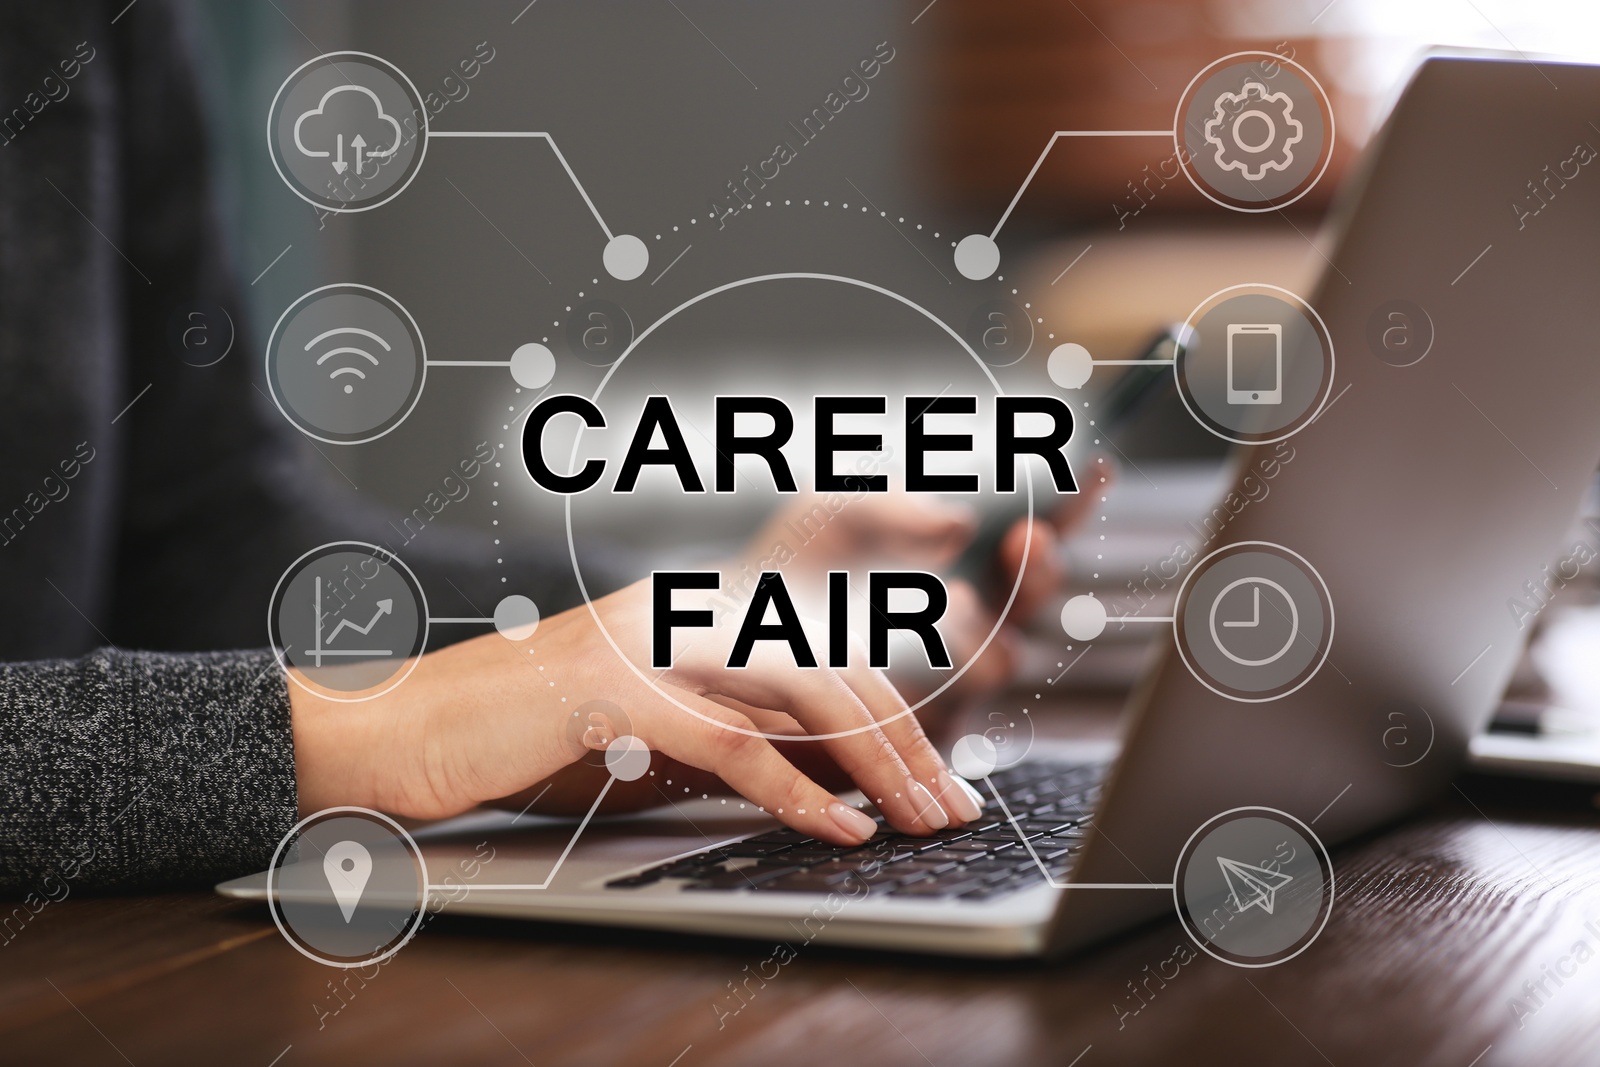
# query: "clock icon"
[1253,621]
[1236,612]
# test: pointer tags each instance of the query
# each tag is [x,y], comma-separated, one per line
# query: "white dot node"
[974,757]
[1083,618]
[626,257]
[977,256]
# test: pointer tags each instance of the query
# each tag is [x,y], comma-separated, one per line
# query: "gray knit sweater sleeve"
[141,770]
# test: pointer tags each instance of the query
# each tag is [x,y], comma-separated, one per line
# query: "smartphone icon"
[1255,363]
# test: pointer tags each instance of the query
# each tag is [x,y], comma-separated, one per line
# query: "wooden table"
[1439,924]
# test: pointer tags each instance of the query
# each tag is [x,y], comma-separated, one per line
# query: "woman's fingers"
[723,742]
[824,703]
[899,724]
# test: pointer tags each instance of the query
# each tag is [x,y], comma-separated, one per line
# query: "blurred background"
[663,107]
[660,105]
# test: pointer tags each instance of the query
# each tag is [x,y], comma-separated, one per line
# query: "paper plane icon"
[1250,886]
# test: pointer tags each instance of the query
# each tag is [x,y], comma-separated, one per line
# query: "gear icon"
[1254,131]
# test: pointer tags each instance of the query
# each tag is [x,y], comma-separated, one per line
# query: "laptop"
[1423,496]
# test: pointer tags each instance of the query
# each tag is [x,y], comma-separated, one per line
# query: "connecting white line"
[274,263]
[469,363]
[1140,618]
[432,621]
[674,263]
[1052,143]
[559,860]
[1012,819]
[136,399]
[559,157]
[1473,664]
[1474,263]
[1332,802]
[1074,263]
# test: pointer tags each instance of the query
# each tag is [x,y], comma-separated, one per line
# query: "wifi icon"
[346,363]
[352,368]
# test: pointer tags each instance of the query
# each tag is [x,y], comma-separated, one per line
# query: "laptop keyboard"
[1051,802]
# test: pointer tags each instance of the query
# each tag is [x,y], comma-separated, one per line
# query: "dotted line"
[919,227]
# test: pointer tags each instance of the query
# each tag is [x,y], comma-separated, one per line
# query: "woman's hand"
[489,718]
[929,533]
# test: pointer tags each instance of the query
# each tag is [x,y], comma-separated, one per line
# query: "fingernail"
[974,797]
[857,824]
[928,809]
[966,801]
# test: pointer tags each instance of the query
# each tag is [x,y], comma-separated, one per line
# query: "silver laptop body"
[1425,496]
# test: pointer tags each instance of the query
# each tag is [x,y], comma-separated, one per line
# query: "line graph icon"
[320,645]
[351,618]
[346,364]
[348,620]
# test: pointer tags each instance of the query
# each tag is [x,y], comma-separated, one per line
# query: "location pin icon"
[347,866]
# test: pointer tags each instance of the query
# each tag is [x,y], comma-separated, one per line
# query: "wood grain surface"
[1442,928]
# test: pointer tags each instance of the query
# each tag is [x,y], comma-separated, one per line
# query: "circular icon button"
[346,364]
[350,618]
[1255,364]
[347,131]
[1254,131]
[1254,887]
[1253,621]
[347,887]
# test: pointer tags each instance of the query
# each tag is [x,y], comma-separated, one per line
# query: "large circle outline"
[1306,419]
[272,143]
[572,550]
[1180,149]
[422,906]
[1181,601]
[282,657]
[422,362]
[1177,884]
